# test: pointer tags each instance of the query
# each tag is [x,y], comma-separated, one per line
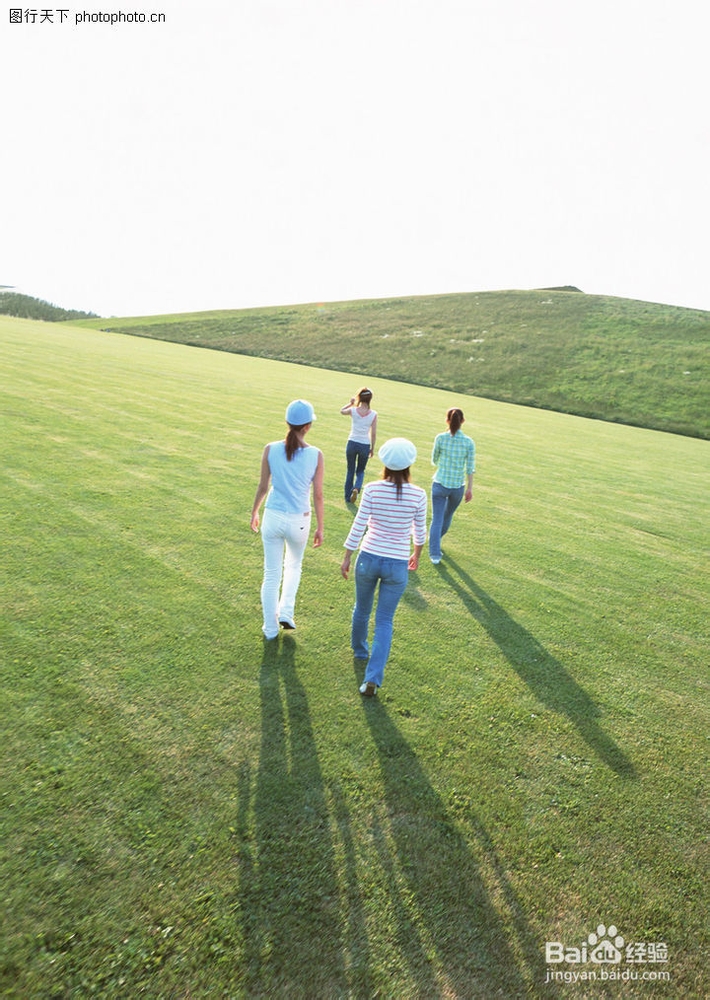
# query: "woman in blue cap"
[392,513]
[291,468]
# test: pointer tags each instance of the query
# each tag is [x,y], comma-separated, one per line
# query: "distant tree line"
[27,307]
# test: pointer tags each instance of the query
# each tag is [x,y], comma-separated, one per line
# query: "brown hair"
[293,440]
[364,395]
[398,477]
[454,418]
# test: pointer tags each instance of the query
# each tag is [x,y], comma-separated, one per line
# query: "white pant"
[284,537]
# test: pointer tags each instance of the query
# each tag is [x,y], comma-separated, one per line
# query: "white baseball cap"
[397,454]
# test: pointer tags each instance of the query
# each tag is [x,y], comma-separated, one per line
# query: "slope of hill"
[612,359]
[28,307]
[188,811]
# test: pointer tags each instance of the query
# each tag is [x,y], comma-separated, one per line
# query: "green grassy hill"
[27,307]
[188,813]
[608,358]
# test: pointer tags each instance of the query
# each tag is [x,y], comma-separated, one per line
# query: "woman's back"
[361,424]
[291,480]
[390,520]
[454,456]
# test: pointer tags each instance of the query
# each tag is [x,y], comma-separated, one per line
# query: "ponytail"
[293,441]
[454,419]
[398,477]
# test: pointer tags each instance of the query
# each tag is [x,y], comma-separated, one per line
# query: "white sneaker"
[368,689]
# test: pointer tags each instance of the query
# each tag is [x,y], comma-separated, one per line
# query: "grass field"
[632,362]
[188,813]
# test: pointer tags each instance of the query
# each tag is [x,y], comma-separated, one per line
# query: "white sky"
[268,152]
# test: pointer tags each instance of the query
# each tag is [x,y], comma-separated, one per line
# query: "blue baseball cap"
[300,412]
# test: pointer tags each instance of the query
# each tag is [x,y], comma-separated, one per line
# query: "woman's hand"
[318,538]
[345,566]
[262,489]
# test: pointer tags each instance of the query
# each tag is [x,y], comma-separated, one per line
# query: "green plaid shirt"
[454,456]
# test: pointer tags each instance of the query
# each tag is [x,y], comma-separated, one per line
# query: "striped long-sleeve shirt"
[387,523]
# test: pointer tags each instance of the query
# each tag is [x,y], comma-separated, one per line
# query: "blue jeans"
[444,502]
[356,454]
[392,576]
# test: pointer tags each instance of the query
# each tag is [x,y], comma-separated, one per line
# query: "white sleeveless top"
[360,427]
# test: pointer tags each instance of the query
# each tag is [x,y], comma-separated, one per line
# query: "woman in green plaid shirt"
[454,456]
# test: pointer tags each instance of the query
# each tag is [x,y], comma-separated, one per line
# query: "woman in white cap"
[392,513]
[293,468]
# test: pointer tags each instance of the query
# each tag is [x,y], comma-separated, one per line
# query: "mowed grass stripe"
[186,811]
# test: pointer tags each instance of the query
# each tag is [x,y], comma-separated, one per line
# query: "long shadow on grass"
[292,940]
[454,941]
[544,675]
